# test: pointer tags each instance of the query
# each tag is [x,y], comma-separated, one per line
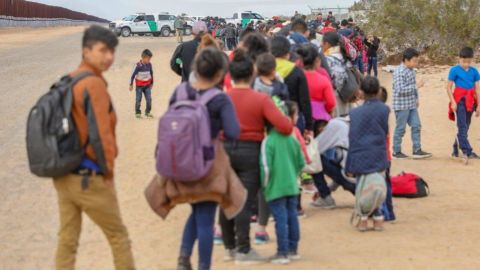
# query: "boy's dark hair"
[292,107]
[241,68]
[299,25]
[280,46]
[370,86]
[95,34]
[383,94]
[334,39]
[147,53]
[344,23]
[466,52]
[309,54]
[209,62]
[266,64]
[255,44]
[319,125]
[247,31]
[410,53]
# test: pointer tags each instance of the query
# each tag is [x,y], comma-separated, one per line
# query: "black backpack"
[53,145]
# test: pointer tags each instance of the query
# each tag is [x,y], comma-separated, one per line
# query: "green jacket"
[281,161]
[178,24]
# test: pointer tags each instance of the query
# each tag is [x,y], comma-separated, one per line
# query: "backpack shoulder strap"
[209,95]
[80,77]
[182,92]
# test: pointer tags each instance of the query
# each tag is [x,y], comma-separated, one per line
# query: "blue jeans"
[387,206]
[287,229]
[464,119]
[373,64]
[143,90]
[411,118]
[334,171]
[200,226]
[359,63]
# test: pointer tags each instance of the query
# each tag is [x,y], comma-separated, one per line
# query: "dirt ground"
[438,232]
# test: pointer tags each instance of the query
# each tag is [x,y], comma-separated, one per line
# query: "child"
[463,100]
[143,76]
[367,154]
[208,68]
[405,105]
[267,81]
[280,187]
[387,207]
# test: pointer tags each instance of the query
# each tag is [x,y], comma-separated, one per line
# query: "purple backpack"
[185,149]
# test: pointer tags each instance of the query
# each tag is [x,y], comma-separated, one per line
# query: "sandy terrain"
[439,232]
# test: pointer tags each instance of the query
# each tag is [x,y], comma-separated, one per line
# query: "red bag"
[409,185]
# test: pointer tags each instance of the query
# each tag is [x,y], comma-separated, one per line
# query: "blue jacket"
[368,138]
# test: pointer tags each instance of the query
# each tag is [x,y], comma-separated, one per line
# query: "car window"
[247,16]
[140,18]
[130,18]
[163,17]
[172,18]
[150,18]
[258,16]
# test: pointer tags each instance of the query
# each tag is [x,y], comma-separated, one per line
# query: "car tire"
[126,32]
[188,31]
[165,32]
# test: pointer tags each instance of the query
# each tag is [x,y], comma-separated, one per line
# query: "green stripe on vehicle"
[153,26]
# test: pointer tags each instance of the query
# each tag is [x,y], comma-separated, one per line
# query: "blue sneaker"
[261,238]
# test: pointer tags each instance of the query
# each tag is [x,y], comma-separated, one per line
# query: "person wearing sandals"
[367,153]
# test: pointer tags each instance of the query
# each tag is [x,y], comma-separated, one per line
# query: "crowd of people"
[271,94]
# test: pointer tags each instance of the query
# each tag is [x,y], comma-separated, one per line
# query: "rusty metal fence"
[20,12]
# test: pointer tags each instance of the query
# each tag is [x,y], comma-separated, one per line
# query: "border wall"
[18,13]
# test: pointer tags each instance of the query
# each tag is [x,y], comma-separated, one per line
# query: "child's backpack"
[351,48]
[409,185]
[370,193]
[53,145]
[185,149]
[351,83]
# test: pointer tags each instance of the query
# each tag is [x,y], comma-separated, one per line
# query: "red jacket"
[470,100]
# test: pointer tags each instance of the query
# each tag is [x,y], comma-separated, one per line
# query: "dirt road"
[439,232]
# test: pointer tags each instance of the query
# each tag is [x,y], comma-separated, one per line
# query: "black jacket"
[372,47]
[298,91]
[186,53]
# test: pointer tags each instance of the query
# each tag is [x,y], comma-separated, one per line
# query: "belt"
[86,174]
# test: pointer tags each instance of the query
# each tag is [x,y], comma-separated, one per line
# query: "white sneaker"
[294,256]
[252,257]
[280,259]
[327,203]
[229,255]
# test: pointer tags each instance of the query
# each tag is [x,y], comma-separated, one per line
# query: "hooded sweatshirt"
[281,162]
[296,81]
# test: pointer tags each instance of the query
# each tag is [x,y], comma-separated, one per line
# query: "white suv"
[136,24]
[141,24]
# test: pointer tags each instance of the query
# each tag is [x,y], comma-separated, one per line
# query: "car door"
[151,24]
[140,24]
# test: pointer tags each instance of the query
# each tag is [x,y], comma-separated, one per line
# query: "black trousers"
[244,158]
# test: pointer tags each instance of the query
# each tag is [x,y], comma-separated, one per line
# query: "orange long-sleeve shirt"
[97,130]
